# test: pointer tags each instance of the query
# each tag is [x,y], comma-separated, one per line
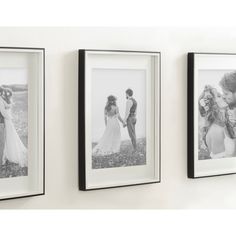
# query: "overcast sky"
[13,76]
[107,82]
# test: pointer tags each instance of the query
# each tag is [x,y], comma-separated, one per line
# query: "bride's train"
[14,149]
[111,139]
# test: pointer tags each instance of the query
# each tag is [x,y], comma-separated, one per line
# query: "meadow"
[126,156]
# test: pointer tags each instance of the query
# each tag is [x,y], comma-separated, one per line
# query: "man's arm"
[129,104]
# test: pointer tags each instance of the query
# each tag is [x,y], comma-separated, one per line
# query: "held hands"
[124,124]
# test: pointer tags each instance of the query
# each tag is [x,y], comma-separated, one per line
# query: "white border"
[33,184]
[111,177]
[212,166]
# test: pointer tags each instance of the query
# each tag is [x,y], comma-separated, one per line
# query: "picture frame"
[211,102]
[111,154]
[22,123]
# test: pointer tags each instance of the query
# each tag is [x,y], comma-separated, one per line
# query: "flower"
[202,103]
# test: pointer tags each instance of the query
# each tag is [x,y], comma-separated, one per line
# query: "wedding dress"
[229,149]
[14,149]
[111,139]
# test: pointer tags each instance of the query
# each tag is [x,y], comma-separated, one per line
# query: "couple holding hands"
[111,140]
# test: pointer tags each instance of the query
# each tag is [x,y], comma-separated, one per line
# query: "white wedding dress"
[14,149]
[111,139]
[229,149]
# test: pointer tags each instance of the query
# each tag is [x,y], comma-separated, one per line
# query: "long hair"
[209,109]
[111,101]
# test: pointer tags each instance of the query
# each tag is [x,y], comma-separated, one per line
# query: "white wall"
[175,190]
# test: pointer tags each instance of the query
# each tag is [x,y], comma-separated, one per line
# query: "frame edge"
[190,114]
[81,115]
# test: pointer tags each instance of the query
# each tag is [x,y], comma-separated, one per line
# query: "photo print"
[118,118]
[217,114]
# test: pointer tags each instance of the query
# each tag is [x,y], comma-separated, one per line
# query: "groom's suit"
[131,108]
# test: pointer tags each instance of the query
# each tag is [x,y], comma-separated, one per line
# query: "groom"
[130,116]
[228,85]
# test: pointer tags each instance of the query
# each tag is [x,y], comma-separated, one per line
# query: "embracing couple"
[111,139]
[219,113]
[11,149]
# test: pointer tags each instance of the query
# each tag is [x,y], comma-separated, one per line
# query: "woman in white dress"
[14,149]
[216,134]
[111,139]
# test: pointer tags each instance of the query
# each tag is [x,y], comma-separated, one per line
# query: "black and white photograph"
[119,118]
[13,123]
[217,114]
[211,114]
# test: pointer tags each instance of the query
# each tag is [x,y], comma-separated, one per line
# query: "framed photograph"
[21,122]
[119,118]
[211,114]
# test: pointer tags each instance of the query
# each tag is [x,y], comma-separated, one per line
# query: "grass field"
[126,156]
[20,120]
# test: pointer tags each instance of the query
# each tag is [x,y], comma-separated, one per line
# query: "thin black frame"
[44,120]
[190,115]
[81,119]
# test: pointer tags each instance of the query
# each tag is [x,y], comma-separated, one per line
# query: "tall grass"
[126,156]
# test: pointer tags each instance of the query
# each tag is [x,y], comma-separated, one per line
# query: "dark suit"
[131,122]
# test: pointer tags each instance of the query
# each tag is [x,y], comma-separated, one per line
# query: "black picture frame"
[190,125]
[82,63]
[42,50]
[191,109]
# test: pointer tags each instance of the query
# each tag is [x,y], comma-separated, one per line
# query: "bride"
[216,133]
[111,139]
[14,149]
